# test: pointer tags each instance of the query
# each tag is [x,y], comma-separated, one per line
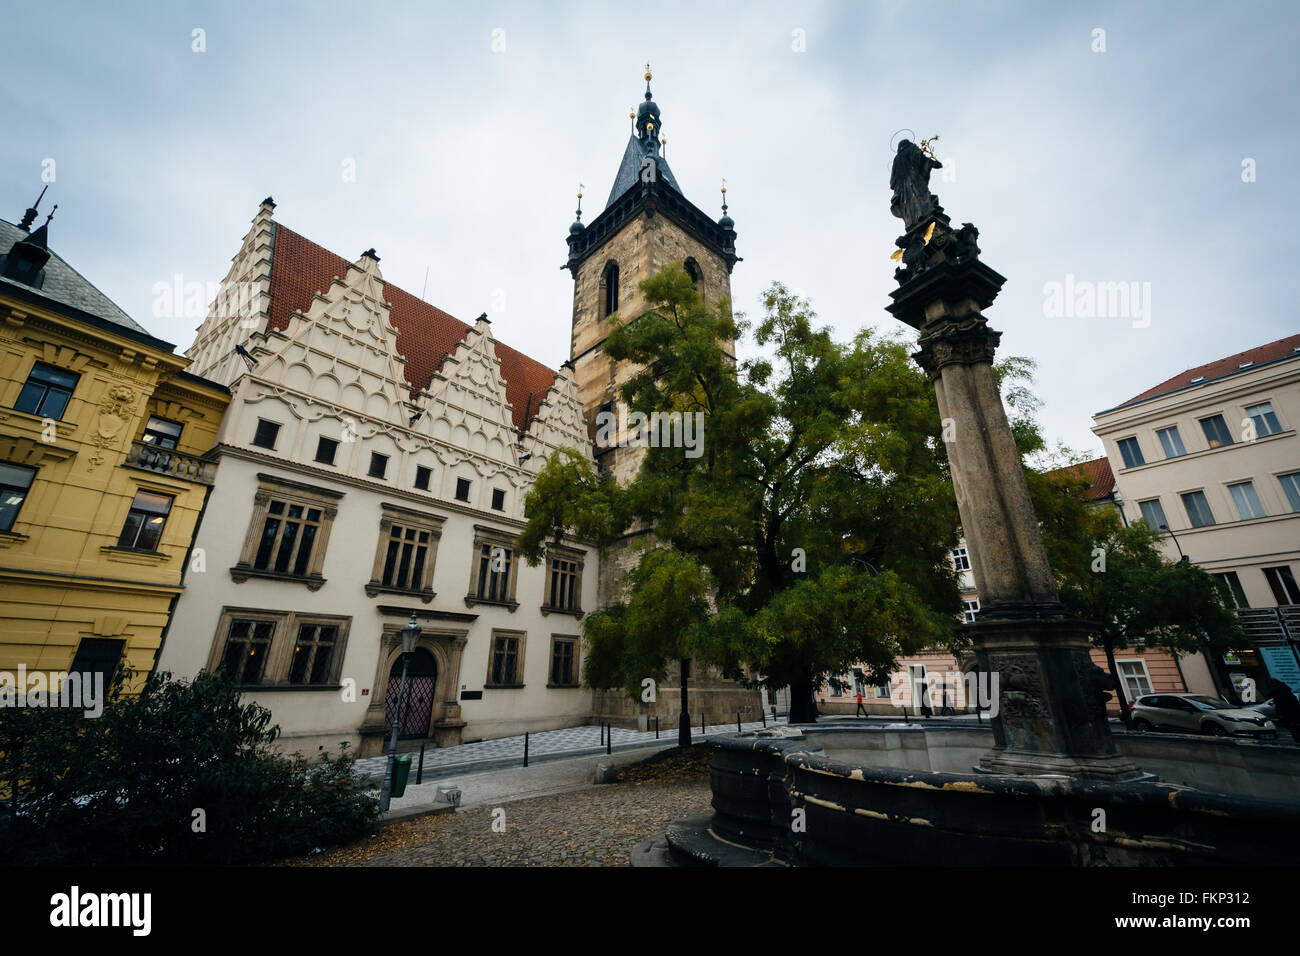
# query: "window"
[1246,500]
[288,531]
[1283,584]
[15,482]
[859,688]
[422,476]
[604,436]
[563,581]
[145,521]
[1132,452]
[1265,419]
[266,433]
[1171,442]
[693,270]
[47,391]
[325,449]
[492,577]
[564,661]
[1198,509]
[278,648]
[1153,514]
[248,644]
[837,689]
[462,489]
[313,654]
[162,432]
[408,544]
[97,655]
[1291,485]
[610,282]
[498,499]
[1236,593]
[960,559]
[506,665]
[1137,681]
[378,465]
[882,691]
[969,609]
[1216,431]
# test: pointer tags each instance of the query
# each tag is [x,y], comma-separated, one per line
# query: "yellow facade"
[65,574]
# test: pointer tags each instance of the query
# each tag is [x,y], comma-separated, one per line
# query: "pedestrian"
[861,710]
[1286,707]
[946,710]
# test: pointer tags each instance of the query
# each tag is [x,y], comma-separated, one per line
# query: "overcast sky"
[1122,165]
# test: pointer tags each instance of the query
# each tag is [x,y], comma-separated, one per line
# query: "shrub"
[182,772]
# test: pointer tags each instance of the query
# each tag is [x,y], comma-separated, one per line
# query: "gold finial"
[724,185]
[580,189]
[631,114]
[648,77]
[927,148]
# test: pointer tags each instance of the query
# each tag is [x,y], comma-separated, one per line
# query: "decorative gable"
[559,423]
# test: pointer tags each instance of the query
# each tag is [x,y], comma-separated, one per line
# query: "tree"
[817,519]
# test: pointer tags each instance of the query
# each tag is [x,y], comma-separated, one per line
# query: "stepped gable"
[300,269]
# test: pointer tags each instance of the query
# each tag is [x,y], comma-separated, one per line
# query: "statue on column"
[910,180]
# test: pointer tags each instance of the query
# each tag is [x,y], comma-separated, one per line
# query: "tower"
[647,223]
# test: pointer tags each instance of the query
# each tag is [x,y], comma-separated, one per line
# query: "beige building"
[1212,457]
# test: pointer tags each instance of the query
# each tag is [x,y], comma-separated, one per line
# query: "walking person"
[946,710]
[1287,708]
[861,709]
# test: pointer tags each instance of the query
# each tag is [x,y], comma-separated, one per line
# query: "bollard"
[738,730]
[602,733]
[656,728]
[905,720]
[419,772]
[774,713]
[703,729]
[762,713]
[525,748]
[609,740]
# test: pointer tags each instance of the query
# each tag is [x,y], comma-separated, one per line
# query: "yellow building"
[102,480]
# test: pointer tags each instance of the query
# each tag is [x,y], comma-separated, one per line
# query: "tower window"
[611,288]
[693,270]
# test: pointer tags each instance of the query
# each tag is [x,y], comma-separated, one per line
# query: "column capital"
[965,341]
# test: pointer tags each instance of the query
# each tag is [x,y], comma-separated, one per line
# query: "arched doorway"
[414,712]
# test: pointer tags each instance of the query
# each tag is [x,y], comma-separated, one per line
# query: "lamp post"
[410,637]
[1181,557]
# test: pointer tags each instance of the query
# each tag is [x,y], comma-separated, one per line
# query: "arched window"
[693,270]
[611,288]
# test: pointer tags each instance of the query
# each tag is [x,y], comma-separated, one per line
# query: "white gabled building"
[374,462]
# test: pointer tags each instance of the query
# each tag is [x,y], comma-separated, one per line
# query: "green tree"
[810,533]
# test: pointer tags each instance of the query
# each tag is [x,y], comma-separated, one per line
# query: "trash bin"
[401,773]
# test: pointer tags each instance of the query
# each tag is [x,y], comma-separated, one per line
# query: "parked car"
[1265,708]
[1199,713]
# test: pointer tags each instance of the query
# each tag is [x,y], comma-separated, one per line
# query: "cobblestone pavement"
[598,826]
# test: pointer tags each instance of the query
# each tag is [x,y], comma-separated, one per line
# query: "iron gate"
[415,710]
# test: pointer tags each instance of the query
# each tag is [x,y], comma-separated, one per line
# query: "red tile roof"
[300,268]
[1271,352]
[1097,472]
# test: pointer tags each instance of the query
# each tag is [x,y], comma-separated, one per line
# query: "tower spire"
[30,216]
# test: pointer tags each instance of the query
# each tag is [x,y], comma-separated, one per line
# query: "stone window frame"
[397,516]
[608,302]
[522,636]
[493,537]
[273,488]
[576,641]
[578,557]
[275,673]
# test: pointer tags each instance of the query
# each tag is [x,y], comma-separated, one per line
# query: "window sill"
[64,428]
[471,600]
[133,556]
[374,589]
[240,575]
[502,686]
[576,612]
[564,686]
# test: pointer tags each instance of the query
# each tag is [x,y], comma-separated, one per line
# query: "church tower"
[647,223]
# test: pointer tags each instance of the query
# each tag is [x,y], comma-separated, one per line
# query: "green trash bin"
[401,773]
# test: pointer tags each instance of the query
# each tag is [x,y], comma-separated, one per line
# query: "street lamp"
[1181,557]
[410,638]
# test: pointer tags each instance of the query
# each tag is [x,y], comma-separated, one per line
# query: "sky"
[1089,142]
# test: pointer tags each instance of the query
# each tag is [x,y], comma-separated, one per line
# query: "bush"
[182,772]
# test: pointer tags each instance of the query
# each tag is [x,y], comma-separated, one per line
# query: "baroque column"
[1051,715]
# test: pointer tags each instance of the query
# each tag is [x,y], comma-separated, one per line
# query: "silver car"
[1199,713]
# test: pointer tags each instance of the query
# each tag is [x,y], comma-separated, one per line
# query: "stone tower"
[646,224]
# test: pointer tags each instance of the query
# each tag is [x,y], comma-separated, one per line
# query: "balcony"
[170,462]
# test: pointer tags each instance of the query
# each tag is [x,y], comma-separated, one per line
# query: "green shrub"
[182,772]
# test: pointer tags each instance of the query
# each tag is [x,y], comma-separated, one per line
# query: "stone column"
[1051,716]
